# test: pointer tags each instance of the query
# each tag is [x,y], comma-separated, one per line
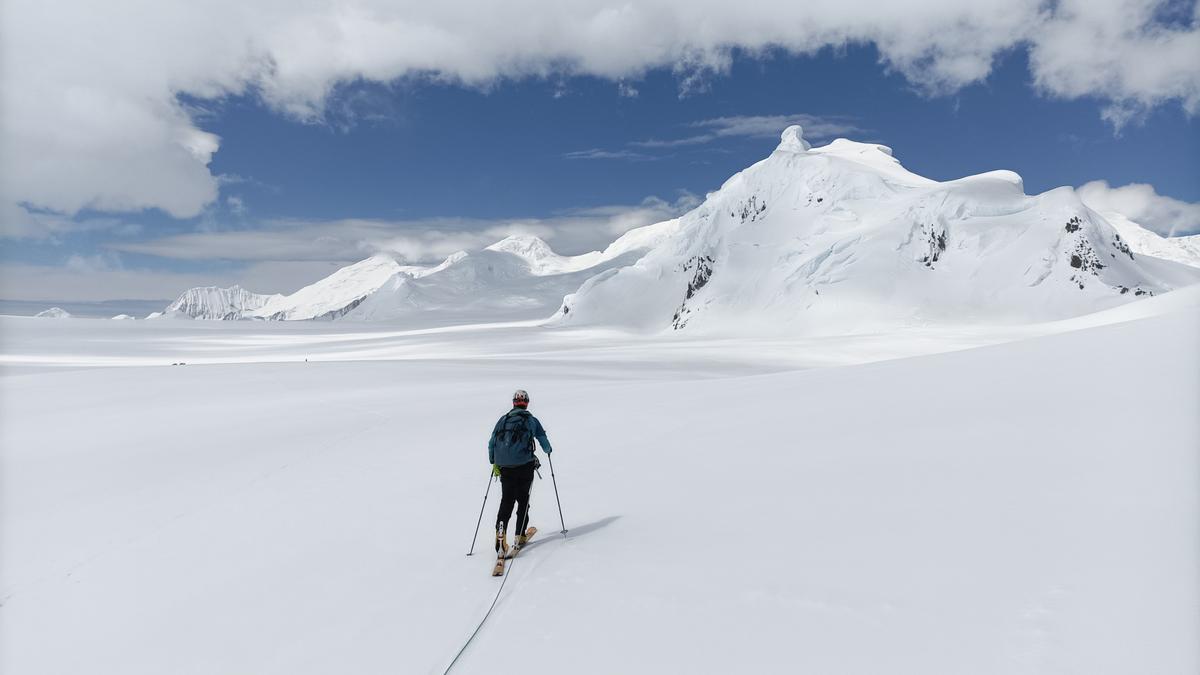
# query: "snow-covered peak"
[215,303]
[1184,250]
[123,317]
[337,293]
[54,313]
[840,238]
[543,261]
[878,159]
[450,260]
[792,140]
[526,246]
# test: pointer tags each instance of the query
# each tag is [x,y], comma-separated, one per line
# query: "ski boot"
[501,549]
[502,540]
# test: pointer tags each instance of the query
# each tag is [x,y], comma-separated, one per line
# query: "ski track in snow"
[1005,500]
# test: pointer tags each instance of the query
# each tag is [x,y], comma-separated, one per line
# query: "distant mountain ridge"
[815,240]
[214,303]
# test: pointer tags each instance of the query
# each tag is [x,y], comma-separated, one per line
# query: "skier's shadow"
[572,532]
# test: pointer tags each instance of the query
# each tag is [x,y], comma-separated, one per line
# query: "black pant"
[515,482]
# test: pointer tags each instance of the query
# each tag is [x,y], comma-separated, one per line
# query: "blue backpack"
[512,435]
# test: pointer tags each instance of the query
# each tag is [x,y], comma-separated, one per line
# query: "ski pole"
[481,508]
[556,499]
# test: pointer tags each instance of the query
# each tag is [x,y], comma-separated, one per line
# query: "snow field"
[1023,507]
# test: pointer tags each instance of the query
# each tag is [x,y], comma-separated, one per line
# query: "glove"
[496,470]
[537,463]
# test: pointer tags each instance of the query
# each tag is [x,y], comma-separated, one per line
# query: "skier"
[510,450]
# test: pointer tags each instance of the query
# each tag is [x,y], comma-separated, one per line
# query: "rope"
[482,621]
[512,561]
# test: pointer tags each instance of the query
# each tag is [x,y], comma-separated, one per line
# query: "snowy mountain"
[211,302]
[338,293]
[1184,250]
[123,317]
[517,278]
[54,313]
[542,261]
[843,238]
[810,240]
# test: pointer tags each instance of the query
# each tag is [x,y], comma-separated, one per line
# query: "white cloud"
[1142,204]
[285,255]
[236,205]
[17,221]
[427,240]
[757,126]
[81,280]
[1119,51]
[90,90]
[600,153]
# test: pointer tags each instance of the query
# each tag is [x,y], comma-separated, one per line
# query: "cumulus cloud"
[91,90]
[17,221]
[1142,204]
[88,280]
[1125,51]
[285,255]
[427,240]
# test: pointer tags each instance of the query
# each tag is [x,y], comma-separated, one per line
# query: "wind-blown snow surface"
[1023,507]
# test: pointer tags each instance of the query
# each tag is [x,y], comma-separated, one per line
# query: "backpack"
[512,435]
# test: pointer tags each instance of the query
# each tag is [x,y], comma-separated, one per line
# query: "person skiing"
[510,450]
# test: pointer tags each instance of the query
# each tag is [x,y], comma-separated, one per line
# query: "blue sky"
[420,163]
[416,150]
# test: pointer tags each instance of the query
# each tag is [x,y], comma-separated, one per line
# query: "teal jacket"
[505,452]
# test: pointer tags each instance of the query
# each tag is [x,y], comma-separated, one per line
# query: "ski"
[498,569]
[517,548]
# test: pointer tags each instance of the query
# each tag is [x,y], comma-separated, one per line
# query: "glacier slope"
[1025,507]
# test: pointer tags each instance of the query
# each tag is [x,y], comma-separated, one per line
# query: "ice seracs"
[214,303]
